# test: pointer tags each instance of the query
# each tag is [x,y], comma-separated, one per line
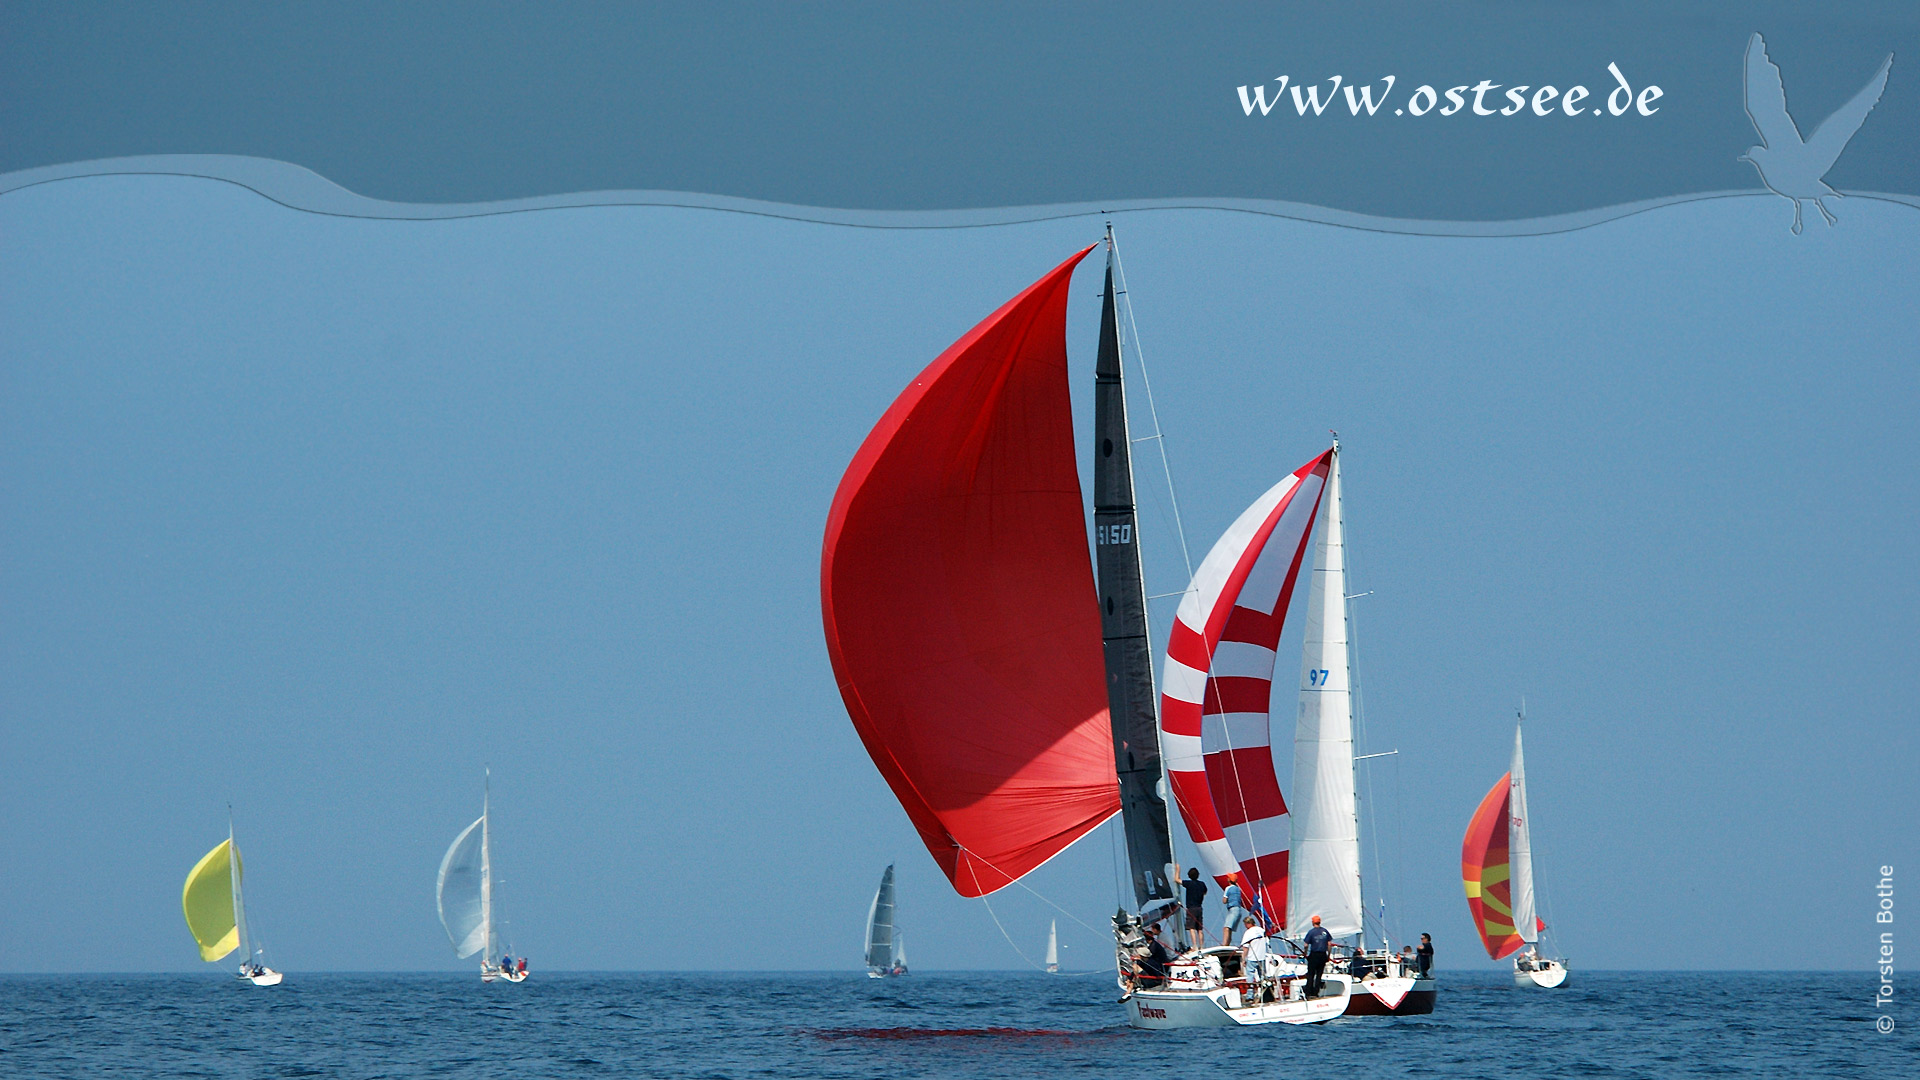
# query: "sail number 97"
[1317,677]
[1113,534]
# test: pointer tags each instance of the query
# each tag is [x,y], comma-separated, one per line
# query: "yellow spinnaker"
[208,902]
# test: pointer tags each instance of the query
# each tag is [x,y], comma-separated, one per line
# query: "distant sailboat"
[1053,947]
[464,893]
[217,912]
[1496,867]
[886,950]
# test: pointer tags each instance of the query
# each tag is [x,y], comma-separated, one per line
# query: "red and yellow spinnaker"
[1484,871]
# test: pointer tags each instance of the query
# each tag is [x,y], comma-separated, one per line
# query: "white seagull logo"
[1790,166]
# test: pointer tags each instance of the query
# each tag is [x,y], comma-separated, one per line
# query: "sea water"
[964,1025]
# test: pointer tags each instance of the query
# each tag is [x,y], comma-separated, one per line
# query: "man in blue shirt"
[1316,941]
[1236,911]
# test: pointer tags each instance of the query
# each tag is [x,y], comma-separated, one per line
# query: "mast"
[239,902]
[486,868]
[1123,619]
[1520,847]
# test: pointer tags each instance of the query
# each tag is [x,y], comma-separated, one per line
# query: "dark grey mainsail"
[1123,614]
[880,925]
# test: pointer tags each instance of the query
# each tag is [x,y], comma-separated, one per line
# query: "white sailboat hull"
[1544,973]
[494,974]
[1222,1007]
[267,977]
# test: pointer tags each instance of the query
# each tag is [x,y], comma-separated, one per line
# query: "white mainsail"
[1324,868]
[880,924]
[1053,945]
[1520,850]
[239,901]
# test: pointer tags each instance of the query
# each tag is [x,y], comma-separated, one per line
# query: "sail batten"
[959,605]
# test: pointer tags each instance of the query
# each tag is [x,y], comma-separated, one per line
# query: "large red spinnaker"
[1484,870]
[959,602]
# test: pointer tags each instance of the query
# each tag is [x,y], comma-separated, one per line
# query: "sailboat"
[1496,867]
[1004,692]
[886,949]
[464,894]
[1053,946]
[1300,863]
[216,912]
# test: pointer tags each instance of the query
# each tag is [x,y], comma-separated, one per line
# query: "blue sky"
[317,516]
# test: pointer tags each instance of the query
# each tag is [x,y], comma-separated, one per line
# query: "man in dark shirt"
[1316,941]
[1424,958]
[1196,897]
[1153,968]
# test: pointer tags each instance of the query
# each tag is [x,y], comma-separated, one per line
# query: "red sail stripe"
[959,603]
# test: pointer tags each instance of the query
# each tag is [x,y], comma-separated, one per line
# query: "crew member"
[1316,941]
[1153,968]
[1424,958]
[1196,911]
[1236,910]
[1255,951]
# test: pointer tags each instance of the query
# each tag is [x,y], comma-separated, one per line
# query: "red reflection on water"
[943,1033]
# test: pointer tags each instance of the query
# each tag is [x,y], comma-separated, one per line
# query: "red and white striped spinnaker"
[1219,681]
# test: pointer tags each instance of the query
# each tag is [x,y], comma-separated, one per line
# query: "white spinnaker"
[1325,867]
[1520,850]
[880,924]
[461,889]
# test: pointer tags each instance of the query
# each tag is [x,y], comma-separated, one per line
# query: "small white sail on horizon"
[1053,946]
[882,956]
[463,892]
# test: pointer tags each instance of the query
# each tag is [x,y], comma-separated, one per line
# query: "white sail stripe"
[1261,591]
[1183,683]
[1217,857]
[1262,836]
[1233,731]
[1242,660]
[1183,753]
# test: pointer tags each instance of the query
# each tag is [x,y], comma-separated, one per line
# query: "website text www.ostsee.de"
[1483,98]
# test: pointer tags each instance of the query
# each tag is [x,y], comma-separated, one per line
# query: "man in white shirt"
[1255,953]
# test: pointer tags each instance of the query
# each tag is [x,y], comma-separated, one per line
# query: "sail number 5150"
[1113,534]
